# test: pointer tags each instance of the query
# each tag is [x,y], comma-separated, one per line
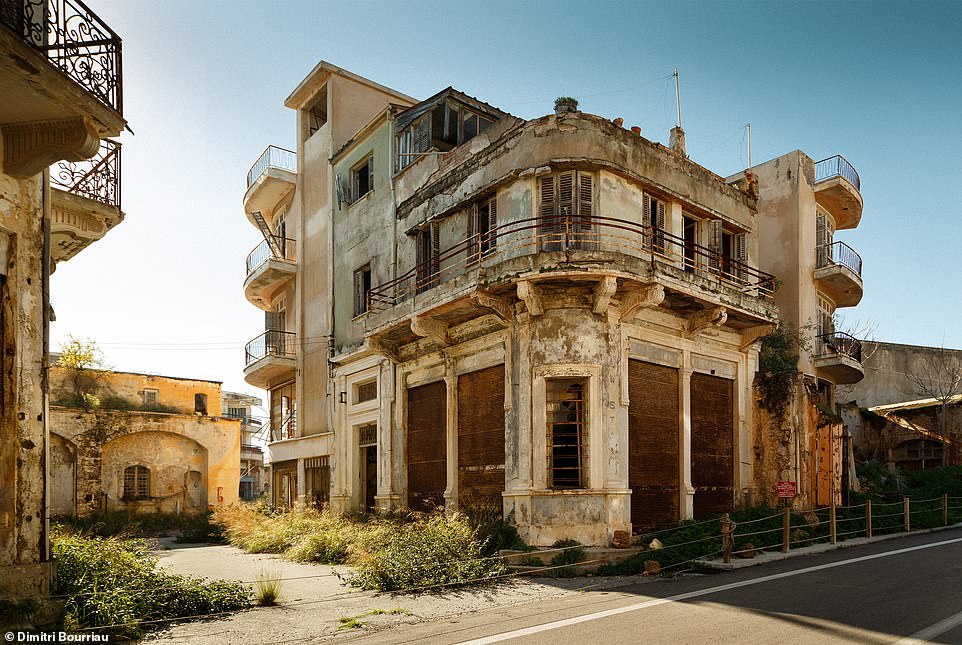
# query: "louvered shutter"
[566,195]
[550,223]
[271,320]
[646,222]
[585,201]
[492,223]
[423,135]
[358,293]
[341,192]
[714,244]
[370,173]
[435,251]
[822,240]
[421,248]
[740,242]
[659,224]
[474,243]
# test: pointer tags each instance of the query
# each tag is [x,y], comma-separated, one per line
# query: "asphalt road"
[904,591]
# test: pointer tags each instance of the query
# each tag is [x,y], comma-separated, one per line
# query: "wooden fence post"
[908,515]
[868,518]
[945,509]
[726,527]
[786,529]
[831,522]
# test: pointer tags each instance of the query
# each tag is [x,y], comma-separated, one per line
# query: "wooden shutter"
[712,444]
[474,243]
[740,242]
[359,292]
[426,445]
[585,201]
[435,248]
[646,222]
[659,225]
[481,439]
[341,190]
[272,320]
[566,195]
[714,244]
[422,134]
[550,223]
[492,222]
[370,173]
[823,238]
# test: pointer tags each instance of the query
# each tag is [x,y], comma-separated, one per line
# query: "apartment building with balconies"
[556,318]
[802,205]
[61,83]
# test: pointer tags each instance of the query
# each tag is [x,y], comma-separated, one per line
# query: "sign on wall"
[786,489]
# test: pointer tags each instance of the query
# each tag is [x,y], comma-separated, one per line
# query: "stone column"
[451,388]
[387,497]
[687,493]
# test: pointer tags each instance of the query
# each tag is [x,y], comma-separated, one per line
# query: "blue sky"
[205,82]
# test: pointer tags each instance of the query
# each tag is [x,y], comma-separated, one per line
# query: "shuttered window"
[712,444]
[481,439]
[428,257]
[426,445]
[567,438]
[714,244]
[823,240]
[136,482]
[482,228]
[566,208]
[362,179]
[362,289]
[654,217]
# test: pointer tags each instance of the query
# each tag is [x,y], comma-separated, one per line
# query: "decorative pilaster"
[30,147]
[451,389]
[687,493]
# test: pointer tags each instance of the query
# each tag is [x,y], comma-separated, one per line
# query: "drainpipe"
[45,361]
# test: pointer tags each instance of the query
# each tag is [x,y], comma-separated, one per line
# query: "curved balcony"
[270,358]
[270,179]
[269,266]
[837,187]
[838,271]
[838,358]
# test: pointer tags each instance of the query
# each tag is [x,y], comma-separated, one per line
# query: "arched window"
[136,482]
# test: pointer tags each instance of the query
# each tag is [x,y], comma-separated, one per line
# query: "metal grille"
[367,435]
[367,391]
[567,439]
[136,482]
[653,445]
[97,178]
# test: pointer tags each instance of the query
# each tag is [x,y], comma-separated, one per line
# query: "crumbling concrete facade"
[49,114]
[556,317]
[157,454]
[801,206]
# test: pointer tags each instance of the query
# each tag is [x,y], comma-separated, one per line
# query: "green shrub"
[112,402]
[198,528]
[572,554]
[114,582]
[327,547]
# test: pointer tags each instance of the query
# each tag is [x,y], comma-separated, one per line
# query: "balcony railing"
[839,344]
[836,166]
[839,253]
[97,178]
[270,343]
[75,40]
[273,157]
[281,248]
[572,234]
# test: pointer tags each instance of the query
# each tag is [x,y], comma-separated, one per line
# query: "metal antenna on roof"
[678,97]
[749,126]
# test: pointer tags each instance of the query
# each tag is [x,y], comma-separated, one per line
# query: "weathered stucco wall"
[172,446]
[23,552]
[174,392]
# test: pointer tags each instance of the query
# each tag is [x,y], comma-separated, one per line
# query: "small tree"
[85,366]
[938,376]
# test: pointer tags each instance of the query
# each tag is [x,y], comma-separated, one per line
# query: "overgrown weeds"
[388,552]
[113,584]
[268,588]
[192,528]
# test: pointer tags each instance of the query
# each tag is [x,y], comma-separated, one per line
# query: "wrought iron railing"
[271,343]
[286,250]
[97,178]
[571,235]
[839,343]
[75,40]
[839,253]
[273,157]
[836,166]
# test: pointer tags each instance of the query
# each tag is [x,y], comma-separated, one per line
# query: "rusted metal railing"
[75,40]
[840,343]
[97,178]
[836,166]
[576,237]
[271,343]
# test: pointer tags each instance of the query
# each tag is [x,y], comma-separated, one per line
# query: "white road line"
[930,632]
[567,622]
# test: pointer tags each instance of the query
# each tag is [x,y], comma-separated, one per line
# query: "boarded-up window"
[712,444]
[481,439]
[652,445]
[567,438]
[427,445]
[136,482]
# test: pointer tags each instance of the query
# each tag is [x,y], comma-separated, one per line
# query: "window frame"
[136,483]
[363,282]
[355,176]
